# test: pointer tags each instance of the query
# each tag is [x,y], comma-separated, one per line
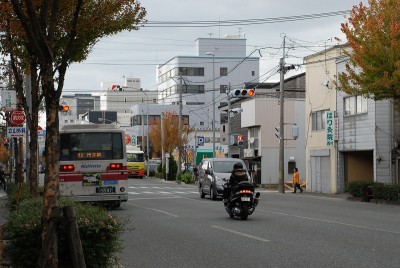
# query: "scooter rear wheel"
[245,212]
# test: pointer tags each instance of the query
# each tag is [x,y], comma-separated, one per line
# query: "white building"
[120,98]
[321,96]
[220,63]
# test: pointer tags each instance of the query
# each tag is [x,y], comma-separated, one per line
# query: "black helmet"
[238,165]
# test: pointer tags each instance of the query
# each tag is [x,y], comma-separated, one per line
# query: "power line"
[225,23]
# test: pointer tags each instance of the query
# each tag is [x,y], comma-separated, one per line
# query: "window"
[253,73]
[154,119]
[318,120]
[223,88]
[189,88]
[136,120]
[355,105]
[90,146]
[291,166]
[223,71]
[190,71]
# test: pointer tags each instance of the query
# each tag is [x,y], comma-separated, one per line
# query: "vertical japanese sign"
[330,128]
[8,100]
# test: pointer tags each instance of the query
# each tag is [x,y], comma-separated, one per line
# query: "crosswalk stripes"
[148,190]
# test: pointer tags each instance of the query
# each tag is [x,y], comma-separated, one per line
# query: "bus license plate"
[105,190]
[245,198]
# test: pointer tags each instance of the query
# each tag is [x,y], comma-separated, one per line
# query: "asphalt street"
[171,226]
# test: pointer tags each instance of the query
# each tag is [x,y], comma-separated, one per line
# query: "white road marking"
[156,210]
[242,234]
[329,221]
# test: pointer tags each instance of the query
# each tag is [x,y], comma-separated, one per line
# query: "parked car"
[213,174]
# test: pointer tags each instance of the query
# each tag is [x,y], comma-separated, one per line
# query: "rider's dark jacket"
[237,176]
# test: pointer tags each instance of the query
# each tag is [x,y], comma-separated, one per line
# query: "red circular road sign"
[17,117]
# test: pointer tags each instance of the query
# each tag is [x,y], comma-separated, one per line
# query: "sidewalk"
[3,214]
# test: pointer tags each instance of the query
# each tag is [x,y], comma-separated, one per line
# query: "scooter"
[242,201]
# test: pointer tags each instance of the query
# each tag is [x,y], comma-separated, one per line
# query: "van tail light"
[115,166]
[67,168]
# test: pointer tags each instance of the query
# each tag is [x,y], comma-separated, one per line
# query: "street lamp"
[147,138]
[213,99]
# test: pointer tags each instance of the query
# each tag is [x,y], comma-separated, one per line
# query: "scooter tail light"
[246,192]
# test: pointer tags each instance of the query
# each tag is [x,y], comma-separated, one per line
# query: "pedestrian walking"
[2,178]
[296,181]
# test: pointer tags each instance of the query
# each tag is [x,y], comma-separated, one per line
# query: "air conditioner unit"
[248,152]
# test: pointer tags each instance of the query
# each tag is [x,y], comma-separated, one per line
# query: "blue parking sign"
[200,141]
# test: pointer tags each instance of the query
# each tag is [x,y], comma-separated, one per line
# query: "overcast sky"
[137,53]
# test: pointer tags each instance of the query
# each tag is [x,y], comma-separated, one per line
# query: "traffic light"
[240,140]
[63,108]
[242,93]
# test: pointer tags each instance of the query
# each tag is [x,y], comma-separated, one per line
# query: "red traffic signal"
[63,108]
[240,140]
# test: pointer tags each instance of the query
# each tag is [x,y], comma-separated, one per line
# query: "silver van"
[213,173]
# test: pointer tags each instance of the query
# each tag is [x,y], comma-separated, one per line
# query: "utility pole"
[142,143]
[162,142]
[213,99]
[213,102]
[180,128]
[229,120]
[195,145]
[282,124]
[147,140]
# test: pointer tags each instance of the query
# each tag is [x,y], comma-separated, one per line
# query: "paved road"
[173,227]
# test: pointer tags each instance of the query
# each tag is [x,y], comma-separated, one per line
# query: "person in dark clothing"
[238,175]
[2,177]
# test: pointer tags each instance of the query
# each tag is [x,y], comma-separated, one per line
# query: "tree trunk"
[51,186]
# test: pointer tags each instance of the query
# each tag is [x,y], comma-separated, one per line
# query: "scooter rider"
[238,175]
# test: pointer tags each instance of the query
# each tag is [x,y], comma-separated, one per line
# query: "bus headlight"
[122,189]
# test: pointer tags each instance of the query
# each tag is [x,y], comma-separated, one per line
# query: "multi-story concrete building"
[120,98]
[204,79]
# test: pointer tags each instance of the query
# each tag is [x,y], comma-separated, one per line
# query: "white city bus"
[93,164]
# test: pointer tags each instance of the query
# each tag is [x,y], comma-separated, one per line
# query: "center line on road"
[242,234]
[329,221]
[153,209]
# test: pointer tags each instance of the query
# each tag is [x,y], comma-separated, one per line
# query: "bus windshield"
[91,146]
[135,157]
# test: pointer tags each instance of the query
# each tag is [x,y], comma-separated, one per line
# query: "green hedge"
[173,169]
[186,177]
[379,190]
[99,231]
